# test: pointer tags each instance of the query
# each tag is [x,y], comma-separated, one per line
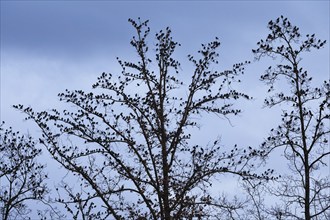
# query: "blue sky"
[50,46]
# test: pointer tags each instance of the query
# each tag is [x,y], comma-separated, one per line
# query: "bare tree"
[130,145]
[21,177]
[303,134]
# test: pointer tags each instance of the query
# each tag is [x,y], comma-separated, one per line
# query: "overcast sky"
[50,46]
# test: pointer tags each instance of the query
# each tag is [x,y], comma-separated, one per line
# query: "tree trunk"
[305,147]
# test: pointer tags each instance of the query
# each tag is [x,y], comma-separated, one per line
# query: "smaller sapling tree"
[303,135]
